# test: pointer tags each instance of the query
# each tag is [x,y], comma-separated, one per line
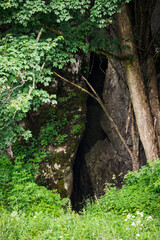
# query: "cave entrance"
[82,188]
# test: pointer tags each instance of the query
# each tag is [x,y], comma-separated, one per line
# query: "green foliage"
[76,129]
[61,138]
[29,53]
[76,125]
[120,214]
[67,98]
[50,133]
[89,225]
[20,192]
[21,69]
[6,168]
[141,192]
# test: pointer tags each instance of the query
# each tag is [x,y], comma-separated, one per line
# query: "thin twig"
[39,34]
[75,85]
[31,88]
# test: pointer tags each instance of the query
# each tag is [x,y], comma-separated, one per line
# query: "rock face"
[101,154]
[70,117]
[57,130]
[109,157]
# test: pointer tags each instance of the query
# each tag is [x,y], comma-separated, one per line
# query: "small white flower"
[129,216]
[138,221]
[149,218]
[127,228]
[133,216]
[142,225]
[137,235]
[125,220]
[133,224]
[141,214]
[13,214]
[35,217]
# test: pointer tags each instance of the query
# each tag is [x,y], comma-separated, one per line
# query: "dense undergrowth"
[29,211]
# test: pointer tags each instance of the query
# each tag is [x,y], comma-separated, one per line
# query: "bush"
[141,192]
[19,191]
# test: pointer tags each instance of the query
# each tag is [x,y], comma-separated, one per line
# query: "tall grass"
[127,214]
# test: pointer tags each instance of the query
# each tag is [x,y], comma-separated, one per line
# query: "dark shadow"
[82,188]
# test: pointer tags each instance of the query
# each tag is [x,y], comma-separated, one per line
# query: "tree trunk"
[137,88]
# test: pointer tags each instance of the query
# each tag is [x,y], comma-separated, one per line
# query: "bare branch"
[75,85]
[39,34]
[58,32]
[31,88]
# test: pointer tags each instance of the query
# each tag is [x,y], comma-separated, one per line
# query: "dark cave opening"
[82,188]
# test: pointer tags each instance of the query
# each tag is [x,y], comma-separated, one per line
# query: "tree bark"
[137,88]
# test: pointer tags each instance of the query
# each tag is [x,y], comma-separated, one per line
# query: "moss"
[60,186]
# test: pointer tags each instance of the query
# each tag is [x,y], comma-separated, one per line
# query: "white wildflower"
[133,216]
[133,224]
[13,214]
[129,216]
[140,213]
[125,220]
[137,235]
[35,217]
[138,221]
[149,218]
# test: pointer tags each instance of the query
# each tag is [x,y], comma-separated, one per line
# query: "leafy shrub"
[6,168]
[50,133]
[33,198]
[141,192]
[19,191]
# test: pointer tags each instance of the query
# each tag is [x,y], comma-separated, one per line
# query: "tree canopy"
[38,37]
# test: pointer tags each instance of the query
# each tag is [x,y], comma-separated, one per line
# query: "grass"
[70,225]
[130,213]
